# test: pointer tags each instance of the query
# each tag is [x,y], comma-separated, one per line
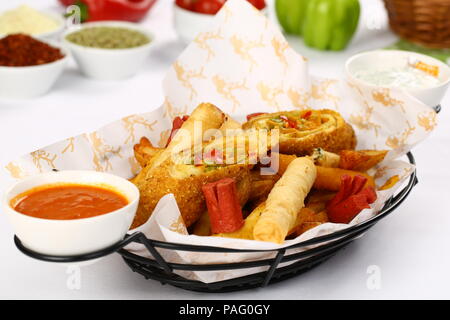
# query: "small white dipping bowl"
[188,24]
[386,59]
[110,64]
[77,236]
[32,81]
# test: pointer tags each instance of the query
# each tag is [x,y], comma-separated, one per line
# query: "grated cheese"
[25,19]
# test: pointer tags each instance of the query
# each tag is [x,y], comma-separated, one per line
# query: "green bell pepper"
[290,14]
[330,24]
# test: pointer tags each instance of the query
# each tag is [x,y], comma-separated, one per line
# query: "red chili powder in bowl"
[20,50]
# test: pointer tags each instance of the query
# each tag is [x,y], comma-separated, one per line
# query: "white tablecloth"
[406,255]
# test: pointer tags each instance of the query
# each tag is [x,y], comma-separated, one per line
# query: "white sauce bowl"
[387,59]
[77,236]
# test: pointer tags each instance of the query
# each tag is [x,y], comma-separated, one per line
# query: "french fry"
[260,189]
[283,161]
[307,216]
[330,178]
[308,225]
[246,232]
[144,151]
[203,226]
[318,199]
[361,160]
[392,181]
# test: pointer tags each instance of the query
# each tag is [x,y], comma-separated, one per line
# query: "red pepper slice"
[252,115]
[351,199]
[126,10]
[223,206]
[291,124]
[307,114]
[176,124]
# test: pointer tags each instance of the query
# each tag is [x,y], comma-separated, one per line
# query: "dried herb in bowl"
[106,37]
[20,50]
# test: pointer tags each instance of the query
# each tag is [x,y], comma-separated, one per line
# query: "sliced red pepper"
[214,157]
[292,124]
[224,210]
[252,115]
[177,123]
[307,114]
[351,199]
[126,10]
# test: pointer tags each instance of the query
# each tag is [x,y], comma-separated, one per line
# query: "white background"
[410,248]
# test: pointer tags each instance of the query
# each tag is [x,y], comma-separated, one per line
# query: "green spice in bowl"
[109,50]
[106,37]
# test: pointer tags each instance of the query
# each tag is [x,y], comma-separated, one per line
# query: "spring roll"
[285,201]
[325,159]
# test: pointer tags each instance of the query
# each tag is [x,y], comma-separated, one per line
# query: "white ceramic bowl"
[189,24]
[51,35]
[78,236]
[386,59]
[110,64]
[32,81]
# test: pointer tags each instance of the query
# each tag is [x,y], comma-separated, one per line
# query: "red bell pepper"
[67,2]
[176,124]
[224,210]
[351,199]
[98,10]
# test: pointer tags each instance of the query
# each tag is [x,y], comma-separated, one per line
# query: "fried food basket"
[160,270]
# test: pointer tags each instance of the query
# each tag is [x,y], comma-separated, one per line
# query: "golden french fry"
[144,151]
[318,199]
[361,160]
[392,181]
[307,215]
[246,232]
[260,189]
[308,225]
[203,225]
[330,178]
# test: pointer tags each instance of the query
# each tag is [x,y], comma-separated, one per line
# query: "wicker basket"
[426,22]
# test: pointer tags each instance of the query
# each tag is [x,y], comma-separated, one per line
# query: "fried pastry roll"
[285,201]
[303,131]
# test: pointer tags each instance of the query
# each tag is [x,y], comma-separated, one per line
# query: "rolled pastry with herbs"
[303,131]
[285,201]
[191,133]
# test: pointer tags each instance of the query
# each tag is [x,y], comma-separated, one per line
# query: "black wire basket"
[159,269]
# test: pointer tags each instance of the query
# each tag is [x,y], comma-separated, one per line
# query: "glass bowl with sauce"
[71,212]
[422,76]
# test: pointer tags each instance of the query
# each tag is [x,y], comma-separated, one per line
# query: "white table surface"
[409,249]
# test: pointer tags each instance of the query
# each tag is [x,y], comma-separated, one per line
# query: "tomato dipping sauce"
[68,201]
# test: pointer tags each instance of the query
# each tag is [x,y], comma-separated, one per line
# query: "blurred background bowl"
[32,81]
[378,60]
[188,24]
[110,64]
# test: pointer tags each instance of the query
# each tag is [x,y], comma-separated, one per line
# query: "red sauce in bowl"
[68,201]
